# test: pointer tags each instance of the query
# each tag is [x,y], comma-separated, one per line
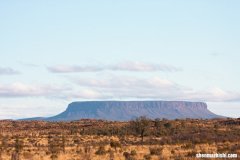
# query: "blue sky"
[55,52]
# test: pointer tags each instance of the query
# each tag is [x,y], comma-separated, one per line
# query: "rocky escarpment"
[127,110]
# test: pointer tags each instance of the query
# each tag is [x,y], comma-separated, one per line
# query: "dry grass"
[104,140]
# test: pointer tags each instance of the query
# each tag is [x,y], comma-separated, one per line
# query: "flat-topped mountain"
[127,110]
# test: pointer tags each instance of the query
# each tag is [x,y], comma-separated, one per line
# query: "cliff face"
[127,110]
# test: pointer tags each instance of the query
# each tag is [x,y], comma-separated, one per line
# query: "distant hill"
[127,110]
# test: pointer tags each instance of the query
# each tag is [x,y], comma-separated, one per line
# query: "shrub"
[128,156]
[188,146]
[101,151]
[192,154]
[147,157]
[133,153]
[155,151]
[115,144]
[167,125]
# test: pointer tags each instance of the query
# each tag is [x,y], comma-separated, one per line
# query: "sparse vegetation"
[141,138]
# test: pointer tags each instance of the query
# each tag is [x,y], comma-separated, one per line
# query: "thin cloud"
[72,69]
[26,90]
[143,67]
[8,71]
[132,87]
[119,87]
[152,88]
[124,66]
[125,82]
[215,94]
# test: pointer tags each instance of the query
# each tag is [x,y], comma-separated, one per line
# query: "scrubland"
[139,139]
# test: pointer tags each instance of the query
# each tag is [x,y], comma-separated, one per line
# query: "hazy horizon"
[57,52]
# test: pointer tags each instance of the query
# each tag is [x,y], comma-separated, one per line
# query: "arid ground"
[139,139]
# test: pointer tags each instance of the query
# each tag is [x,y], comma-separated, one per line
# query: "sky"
[55,52]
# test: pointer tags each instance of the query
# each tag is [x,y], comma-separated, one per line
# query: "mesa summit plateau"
[127,110]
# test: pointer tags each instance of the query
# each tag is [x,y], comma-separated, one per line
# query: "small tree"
[63,144]
[159,128]
[141,126]
[18,148]
[18,145]
[54,146]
